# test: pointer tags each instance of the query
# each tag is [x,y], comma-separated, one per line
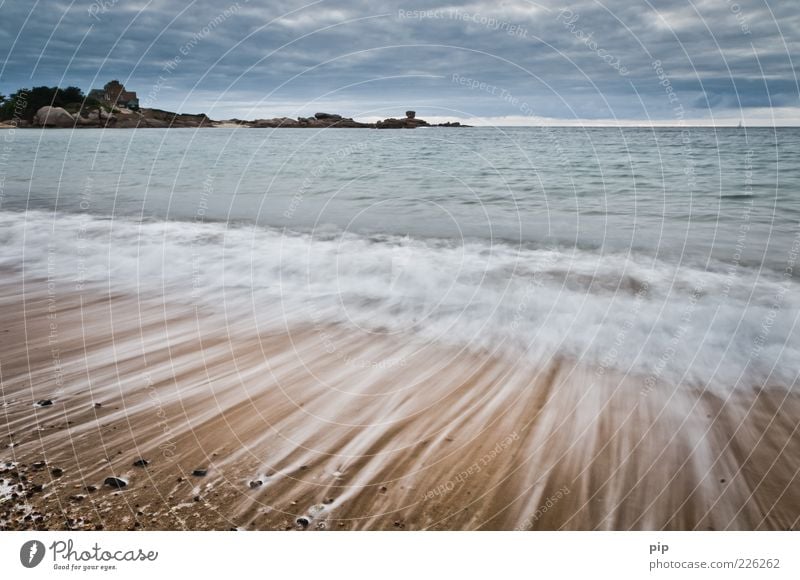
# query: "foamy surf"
[716,326]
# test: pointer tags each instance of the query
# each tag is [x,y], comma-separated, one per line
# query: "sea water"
[670,253]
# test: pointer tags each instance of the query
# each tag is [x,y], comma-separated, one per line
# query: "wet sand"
[333,428]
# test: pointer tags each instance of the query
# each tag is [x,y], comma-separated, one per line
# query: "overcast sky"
[505,62]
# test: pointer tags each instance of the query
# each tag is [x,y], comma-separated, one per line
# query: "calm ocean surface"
[668,252]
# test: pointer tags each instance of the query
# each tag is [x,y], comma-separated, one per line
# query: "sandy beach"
[323,428]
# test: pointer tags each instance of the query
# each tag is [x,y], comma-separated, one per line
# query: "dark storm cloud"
[581,59]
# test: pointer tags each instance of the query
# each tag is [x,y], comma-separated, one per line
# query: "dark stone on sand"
[98,405]
[57,472]
[303,467]
[90,488]
[200,472]
[303,522]
[141,463]
[115,482]
[38,464]
[327,500]
[44,403]
[37,488]
[256,483]
[383,489]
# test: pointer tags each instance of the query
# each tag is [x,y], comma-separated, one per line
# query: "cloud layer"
[514,61]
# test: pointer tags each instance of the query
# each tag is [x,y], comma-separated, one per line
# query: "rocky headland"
[124,118]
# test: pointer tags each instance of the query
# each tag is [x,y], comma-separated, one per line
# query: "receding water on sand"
[443,438]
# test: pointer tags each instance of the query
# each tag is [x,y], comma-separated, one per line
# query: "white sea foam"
[726,327]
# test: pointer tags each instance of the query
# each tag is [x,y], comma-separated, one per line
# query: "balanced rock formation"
[410,122]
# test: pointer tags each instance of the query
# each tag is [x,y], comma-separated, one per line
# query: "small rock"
[200,472]
[57,472]
[383,489]
[303,467]
[44,403]
[77,497]
[196,498]
[90,488]
[256,483]
[98,405]
[115,482]
[141,463]
[38,464]
[399,524]
[303,522]
[327,500]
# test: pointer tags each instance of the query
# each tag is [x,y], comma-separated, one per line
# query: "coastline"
[123,118]
[294,437]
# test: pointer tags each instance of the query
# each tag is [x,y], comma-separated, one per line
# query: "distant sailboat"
[740,125]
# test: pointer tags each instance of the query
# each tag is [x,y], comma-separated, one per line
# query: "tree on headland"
[25,102]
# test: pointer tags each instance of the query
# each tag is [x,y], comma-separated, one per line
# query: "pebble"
[44,403]
[57,472]
[327,500]
[115,482]
[256,483]
[303,522]
[200,472]
[141,463]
